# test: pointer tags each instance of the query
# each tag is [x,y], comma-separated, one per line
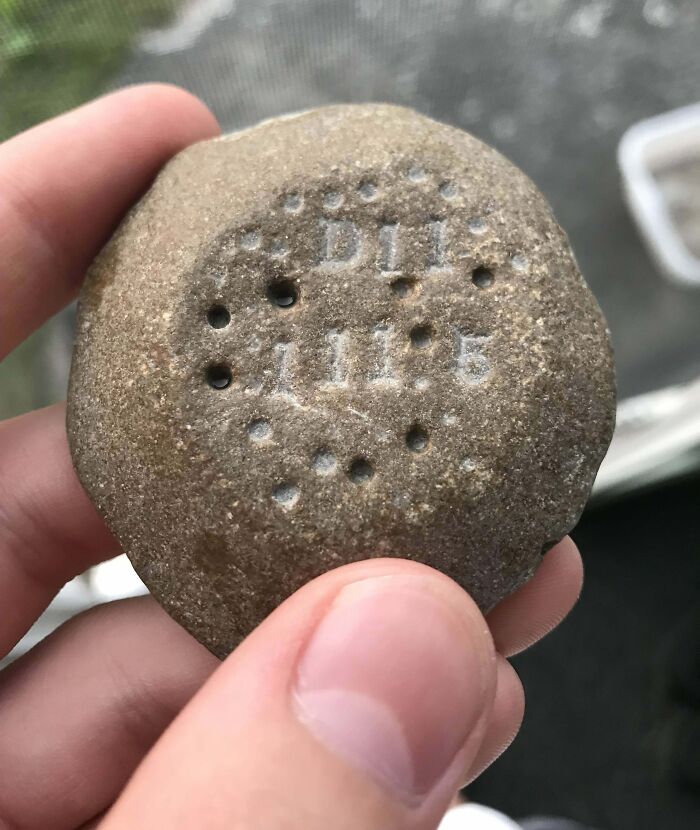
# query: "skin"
[120,719]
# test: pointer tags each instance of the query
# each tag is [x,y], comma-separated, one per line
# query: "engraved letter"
[437,256]
[388,248]
[383,371]
[284,355]
[341,243]
[338,342]
[471,364]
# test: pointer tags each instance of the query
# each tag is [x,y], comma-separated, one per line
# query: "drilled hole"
[279,248]
[421,336]
[259,429]
[283,293]
[323,462]
[250,240]
[332,200]
[286,494]
[417,439]
[403,287]
[482,277]
[218,317]
[368,191]
[219,376]
[293,203]
[360,470]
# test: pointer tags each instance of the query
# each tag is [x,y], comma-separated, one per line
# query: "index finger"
[65,184]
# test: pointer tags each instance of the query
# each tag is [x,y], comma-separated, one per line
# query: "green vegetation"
[54,55]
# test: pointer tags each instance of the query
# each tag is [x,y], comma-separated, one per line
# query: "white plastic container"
[659,159]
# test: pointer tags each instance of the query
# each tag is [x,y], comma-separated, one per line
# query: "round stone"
[413,390]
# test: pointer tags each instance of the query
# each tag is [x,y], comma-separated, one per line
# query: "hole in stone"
[259,429]
[417,439]
[332,200]
[367,190]
[403,286]
[282,293]
[218,317]
[250,240]
[360,470]
[324,462]
[286,494]
[421,336]
[482,277]
[416,174]
[219,376]
[477,225]
[293,203]
[448,190]
[278,248]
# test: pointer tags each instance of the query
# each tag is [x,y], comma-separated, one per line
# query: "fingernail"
[393,680]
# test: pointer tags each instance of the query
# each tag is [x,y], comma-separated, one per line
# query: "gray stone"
[347,333]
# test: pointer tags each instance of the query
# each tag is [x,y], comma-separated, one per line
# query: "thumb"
[359,703]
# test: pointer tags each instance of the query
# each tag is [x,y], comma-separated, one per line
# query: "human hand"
[363,702]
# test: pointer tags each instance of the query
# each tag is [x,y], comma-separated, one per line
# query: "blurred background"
[594,100]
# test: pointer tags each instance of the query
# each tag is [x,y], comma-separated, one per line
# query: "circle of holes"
[283,294]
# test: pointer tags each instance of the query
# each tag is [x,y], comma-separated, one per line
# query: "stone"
[347,333]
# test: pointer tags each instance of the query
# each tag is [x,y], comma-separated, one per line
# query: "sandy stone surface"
[347,333]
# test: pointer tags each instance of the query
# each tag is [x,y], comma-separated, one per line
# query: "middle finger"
[79,711]
[524,617]
[49,530]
